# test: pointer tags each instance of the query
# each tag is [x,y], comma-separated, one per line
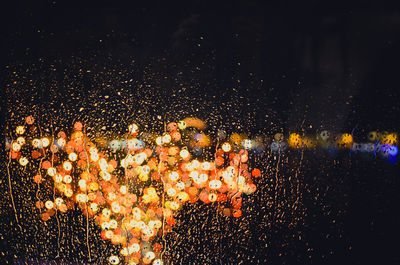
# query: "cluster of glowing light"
[167,174]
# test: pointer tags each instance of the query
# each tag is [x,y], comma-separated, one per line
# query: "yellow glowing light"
[59,201]
[21,140]
[152,191]
[146,198]
[116,238]
[92,150]
[112,196]
[109,234]
[113,223]
[391,138]
[148,232]
[189,167]
[105,175]
[184,153]
[36,143]
[123,189]
[166,138]
[94,186]
[241,180]
[116,208]
[226,147]
[103,164]
[159,140]
[183,196]
[94,157]
[195,164]
[215,184]
[212,197]
[133,128]
[105,225]
[67,179]
[157,224]
[51,171]
[23,161]
[16,147]
[203,178]
[139,158]
[113,259]
[61,142]
[236,138]
[150,255]
[206,166]
[372,136]
[182,125]
[82,198]
[231,171]
[174,176]
[132,224]
[58,178]
[247,144]
[197,179]
[62,187]
[106,212]
[194,174]
[143,177]
[141,225]
[226,176]
[347,139]
[174,206]
[124,163]
[73,157]
[68,192]
[232,185]
[49,205]
[151,224]
[294,140]
[67,165]
[180,185]
[124,252]
[129,159]
[145,169]
[82,184]
[158,262]
[135,247]
[20,129]
[171,192]
[45,142]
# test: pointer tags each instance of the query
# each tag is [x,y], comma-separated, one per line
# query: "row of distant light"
[135,144]
[275,146]
[384,149]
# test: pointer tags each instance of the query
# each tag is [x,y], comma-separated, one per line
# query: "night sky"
[248,66]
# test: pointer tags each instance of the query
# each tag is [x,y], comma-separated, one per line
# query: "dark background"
[281,66]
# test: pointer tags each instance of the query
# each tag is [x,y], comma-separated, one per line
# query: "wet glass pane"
[197,132]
